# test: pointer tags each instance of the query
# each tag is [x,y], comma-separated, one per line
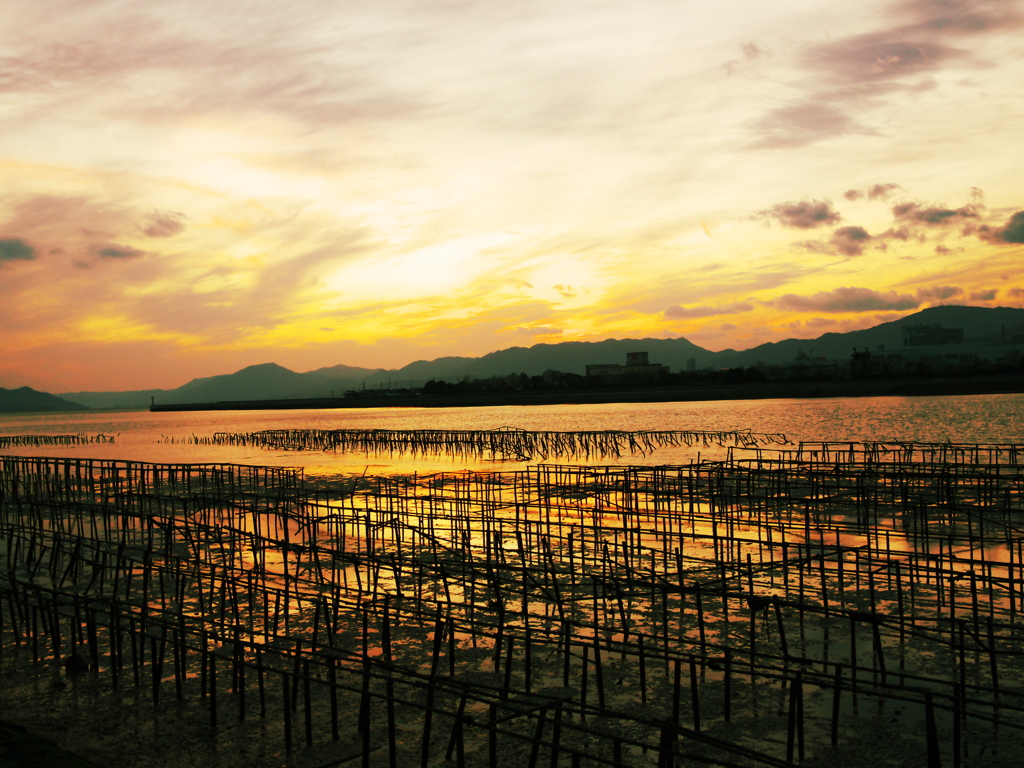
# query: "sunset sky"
[187,188]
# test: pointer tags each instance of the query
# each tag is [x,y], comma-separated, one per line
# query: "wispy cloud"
[845,241]
[16,249]
[158,224]
[939,293]
[925,36]
[879,56]
[1011,232]
[537,331]
[804,122]
[116,252]
[954,18]
[874,192]
[804,214]
[931,215]
[850,241]
[841,84]
[847,300]
[676,311]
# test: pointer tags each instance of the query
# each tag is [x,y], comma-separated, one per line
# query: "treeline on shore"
[812,372]
[741,383]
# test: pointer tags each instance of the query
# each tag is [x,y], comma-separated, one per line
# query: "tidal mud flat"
[853,604]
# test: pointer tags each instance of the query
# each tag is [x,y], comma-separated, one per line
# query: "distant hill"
[128,399]
[568,357]
[269,381]
[341,373]
[28,400]
[981,326]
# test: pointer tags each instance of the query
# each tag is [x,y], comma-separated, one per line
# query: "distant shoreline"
[774,391]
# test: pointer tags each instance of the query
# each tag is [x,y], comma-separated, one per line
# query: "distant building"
[930,335]
[809,366]
[860,363]
[636,365]
[604,369]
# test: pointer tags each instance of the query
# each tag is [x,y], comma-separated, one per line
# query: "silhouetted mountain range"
[268,381]
[981,326]
[28,400]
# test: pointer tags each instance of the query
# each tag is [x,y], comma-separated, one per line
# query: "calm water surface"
[162,437]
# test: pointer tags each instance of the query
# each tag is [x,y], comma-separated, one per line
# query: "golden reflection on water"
[771,578]
[162,437]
